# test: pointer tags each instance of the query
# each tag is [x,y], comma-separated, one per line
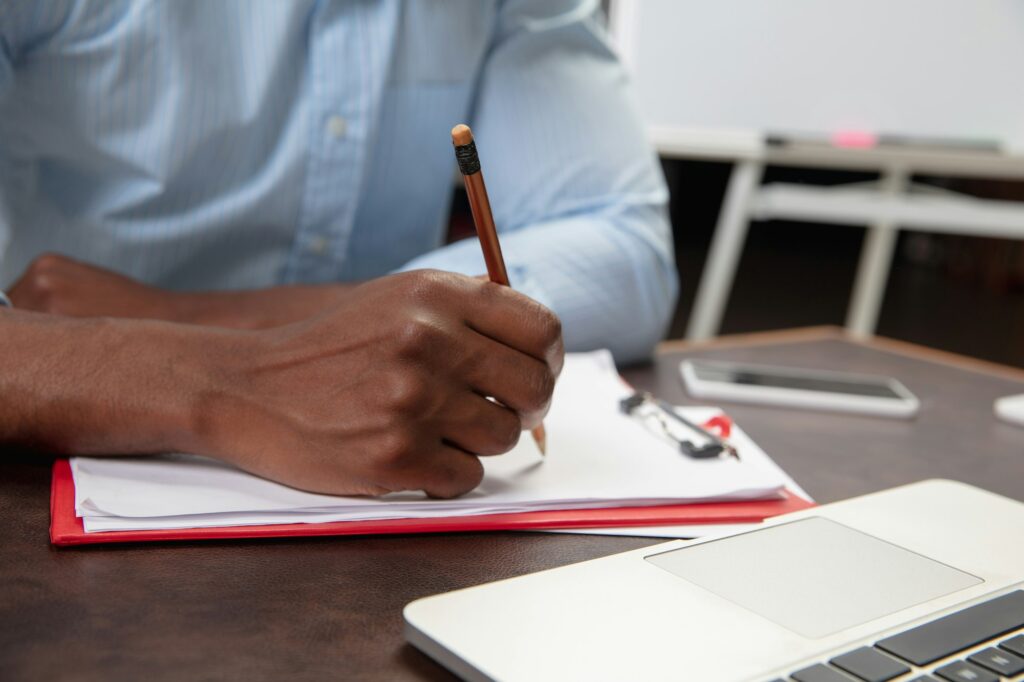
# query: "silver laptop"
[924,582]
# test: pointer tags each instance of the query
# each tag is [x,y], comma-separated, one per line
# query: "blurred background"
[963,294]
[853,162]
[850,117]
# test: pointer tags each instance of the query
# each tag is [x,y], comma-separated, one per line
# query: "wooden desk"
[331,608]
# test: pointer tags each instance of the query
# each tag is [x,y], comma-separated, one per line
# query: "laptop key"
[820,673]
[961,671]
[1014,644]
[870,665]
[947,635]
[924,678]
[1002,662]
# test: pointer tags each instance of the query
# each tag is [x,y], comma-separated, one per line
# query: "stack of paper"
[597,457]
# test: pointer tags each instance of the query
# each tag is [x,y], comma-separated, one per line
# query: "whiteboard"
[733,71]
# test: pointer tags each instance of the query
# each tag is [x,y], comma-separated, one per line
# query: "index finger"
[516,320]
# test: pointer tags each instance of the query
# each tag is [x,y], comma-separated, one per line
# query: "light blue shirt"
[209,144]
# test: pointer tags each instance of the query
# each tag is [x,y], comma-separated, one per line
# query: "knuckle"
[409,394]
[417,335]
[541,386]
[550,328]
[43,283]
[47,264]
[507,431]
[427,286]
[395,449]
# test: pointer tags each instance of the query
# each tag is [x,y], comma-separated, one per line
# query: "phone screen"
[756,376]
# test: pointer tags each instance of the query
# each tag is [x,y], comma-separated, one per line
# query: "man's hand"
[60,285]
[389,389]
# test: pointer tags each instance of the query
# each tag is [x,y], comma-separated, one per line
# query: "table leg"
[875,261]
[726,247]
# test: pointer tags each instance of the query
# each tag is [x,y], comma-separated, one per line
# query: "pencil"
[480,206]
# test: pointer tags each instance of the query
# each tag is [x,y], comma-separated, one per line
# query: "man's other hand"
[390,389]
[56,284]
[62,286]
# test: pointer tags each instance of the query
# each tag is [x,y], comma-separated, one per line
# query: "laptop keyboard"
[922,653]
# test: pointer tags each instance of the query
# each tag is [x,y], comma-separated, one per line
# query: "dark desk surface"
[331,608]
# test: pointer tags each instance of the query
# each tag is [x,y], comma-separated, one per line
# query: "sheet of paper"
[596,457]
[756,457]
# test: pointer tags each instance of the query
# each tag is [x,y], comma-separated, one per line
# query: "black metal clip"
[649,410]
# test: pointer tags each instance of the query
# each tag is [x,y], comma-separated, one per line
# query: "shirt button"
[318,245]
[337,127]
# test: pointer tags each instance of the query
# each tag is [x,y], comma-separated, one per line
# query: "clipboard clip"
[663,420]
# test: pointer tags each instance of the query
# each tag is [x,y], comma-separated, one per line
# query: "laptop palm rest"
[814,576]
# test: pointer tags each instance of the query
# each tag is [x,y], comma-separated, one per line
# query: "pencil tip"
[540,436]
[461,134]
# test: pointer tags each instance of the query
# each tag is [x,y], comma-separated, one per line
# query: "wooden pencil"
[480,206]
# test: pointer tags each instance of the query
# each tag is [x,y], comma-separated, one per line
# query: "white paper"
[597,457]
[756,457]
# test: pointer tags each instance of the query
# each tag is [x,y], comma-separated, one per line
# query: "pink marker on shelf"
[854,139]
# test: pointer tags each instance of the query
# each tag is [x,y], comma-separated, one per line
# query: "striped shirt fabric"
[236,144]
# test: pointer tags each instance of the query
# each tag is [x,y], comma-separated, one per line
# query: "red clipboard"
[66,528]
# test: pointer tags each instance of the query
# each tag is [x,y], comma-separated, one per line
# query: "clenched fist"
[400,386]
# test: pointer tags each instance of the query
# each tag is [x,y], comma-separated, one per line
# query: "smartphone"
[803,388]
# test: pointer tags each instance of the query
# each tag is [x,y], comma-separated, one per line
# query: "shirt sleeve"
[576,190]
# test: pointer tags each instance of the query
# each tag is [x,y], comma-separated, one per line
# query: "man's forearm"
[103,385]
[255,309]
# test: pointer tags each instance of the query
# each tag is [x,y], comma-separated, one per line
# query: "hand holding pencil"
[480,206]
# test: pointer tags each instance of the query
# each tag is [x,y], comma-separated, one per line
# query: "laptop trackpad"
[814,576]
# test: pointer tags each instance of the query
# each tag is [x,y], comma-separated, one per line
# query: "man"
[235,181]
